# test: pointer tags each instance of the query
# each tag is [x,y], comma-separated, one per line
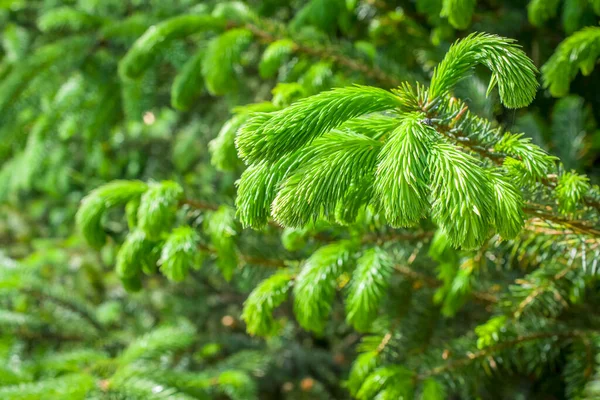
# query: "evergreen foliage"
[579,52]
[299,200]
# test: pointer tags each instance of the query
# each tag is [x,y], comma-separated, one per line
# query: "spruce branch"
[262,302]
[374,238]
[77,309]
[557,283]
[222,229]
[222,54]
[321,183]
[539,11]
[188,83]
[315,285]
[577,226]
[179,253]
[488,351]
[484,143]
[270,136]
[199,205]
[370,281]
[432,282]
[329,53]
[68,18]
[157,207]
[249,259]
[463,200]
[306,191]
[579,52]
[512,70]
[96,203]
[458,12]
[136,254]
[47,335]
[402,177]
[144,51]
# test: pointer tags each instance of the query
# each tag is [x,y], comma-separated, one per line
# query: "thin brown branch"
[370,238]
[396,236]
[472,357]
[571,265]
[266,262]
[577,226]
[384,342]
[417,276]
[432,282]
[199,205]
[331,54]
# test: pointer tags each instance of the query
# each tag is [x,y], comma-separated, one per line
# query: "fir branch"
[402,177]
[458,12]
[461,135]
[262,302]
[579,51]
[512,70]
[180,253]
[144,51]
[488,351]
[328,53]
[341,160]
[315,285]
[77,309]
[199,205]
[577,226]
[369,284]
[270,136]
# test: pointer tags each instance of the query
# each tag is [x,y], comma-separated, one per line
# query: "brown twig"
[332,54]
[199,205]
[472,357]
[432,282]
[370,238]
[396,236]
[577,226]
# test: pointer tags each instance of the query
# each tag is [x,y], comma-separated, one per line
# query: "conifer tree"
[320,199]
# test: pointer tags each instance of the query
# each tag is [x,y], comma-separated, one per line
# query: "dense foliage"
[320,199]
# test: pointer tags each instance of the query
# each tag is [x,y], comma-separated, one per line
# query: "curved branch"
[449,130]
